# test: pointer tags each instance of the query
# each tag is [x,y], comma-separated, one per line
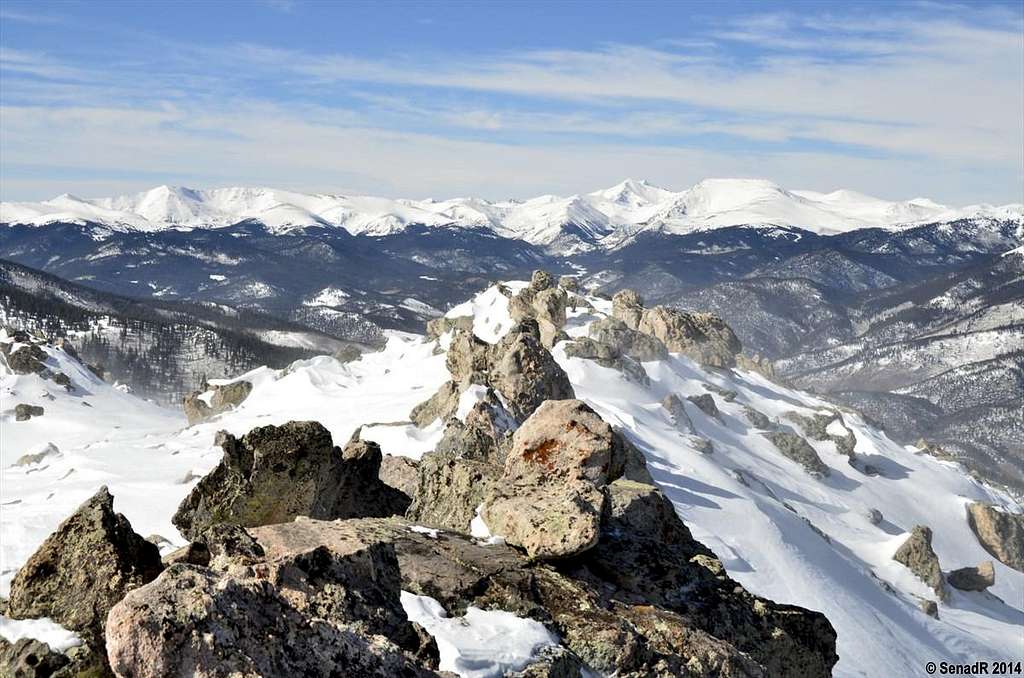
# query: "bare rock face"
[701,336]
[973,578]
[917,554]
[86,566]
[401,473]
[628,307]
[1000,533]
[799,450]
[24,411]
[223,398]
[275,473]
[305,609]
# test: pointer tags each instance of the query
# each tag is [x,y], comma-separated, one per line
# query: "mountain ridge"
[582,221]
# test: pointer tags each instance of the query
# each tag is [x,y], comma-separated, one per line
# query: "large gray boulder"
[213,400]
[701,336]
[999,532]
[25,411]
[275,473]
[305,609]
[86,566]
[449,489]
[973,578]
[627,341]
[799,450]
[524,372]
[916,553]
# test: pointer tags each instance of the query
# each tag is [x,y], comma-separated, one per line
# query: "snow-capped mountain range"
[603,217]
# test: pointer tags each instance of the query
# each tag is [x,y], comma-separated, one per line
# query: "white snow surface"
[759,528]
[482,643]
[44,630]
[569,223]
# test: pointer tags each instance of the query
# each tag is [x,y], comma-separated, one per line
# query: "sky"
[517,99]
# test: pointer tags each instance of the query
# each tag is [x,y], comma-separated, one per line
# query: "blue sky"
[437,99]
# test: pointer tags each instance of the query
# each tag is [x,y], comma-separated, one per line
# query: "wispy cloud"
[901,106]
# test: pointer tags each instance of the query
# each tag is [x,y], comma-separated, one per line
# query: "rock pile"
[531,504]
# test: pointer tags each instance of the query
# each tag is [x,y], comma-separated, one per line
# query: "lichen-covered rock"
[799,450]
[401,473]
[88,564]
[628,307]
[305,610]
[28,359]
[973,578]
[701,336]
[999,532]
[213,400]
[275,473]
[30,658]
[449,490]
[24,411]
[485,435]
[917,555]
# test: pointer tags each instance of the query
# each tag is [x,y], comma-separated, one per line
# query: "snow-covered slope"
[780,532]
[565,223]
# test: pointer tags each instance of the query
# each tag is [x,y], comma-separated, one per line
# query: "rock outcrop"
[302,609]
[815,426]
[628,307]
[626,341]
[799,450]
[999,532]
[25,411]
[274,473]
[27,359]
[917,554]
[705,402]
[83,569]
[213,400]
[401,473]
[544,302]
[676,411]
[973,578]
[701,336]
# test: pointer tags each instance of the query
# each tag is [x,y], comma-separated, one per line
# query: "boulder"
[627,341]
[799,450]
[917,555]
[544,302]
[484,435]
[438,326]
[24,411]
[401,473]
[676,411]
[86,566]
[28,359]
[700,336]
[274,473]
[449,490]
[524,372]
[30,658]
[930,608]
[705,402]
[874,516]
[973,578]
[815,427]
[441,405]
[756,418]
[999,532]
[628,307]
[589,349]
[307,609]
[756,363]
[213,400]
